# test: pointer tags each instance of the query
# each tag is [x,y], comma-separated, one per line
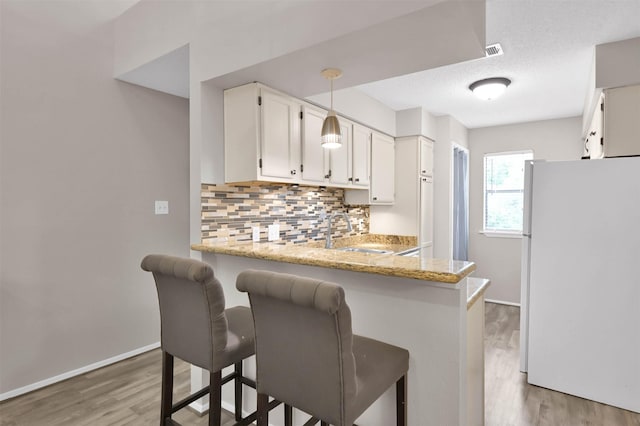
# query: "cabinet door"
[622,121]
[314,164]
[340,158]
[361,148]
[426,210]
[426,157]
[382,169]
[280,136]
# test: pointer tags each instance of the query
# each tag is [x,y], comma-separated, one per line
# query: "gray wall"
[83,157]
[499,258]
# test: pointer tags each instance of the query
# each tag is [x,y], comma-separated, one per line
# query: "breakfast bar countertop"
[428,269]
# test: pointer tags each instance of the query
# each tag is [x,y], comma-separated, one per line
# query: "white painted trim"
[501,234]
[502,302]
[64,376]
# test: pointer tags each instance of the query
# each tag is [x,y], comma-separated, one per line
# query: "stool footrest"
[253,416]
[188,400]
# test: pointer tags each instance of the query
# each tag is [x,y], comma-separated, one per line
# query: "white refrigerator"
[580,306]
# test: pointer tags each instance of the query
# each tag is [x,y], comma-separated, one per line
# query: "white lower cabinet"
[425,212]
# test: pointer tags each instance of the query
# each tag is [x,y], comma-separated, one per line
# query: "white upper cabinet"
[382,169]
[313,155]
[280,144]
[426,157]
[621,121]
[361,157]
[593,143]
[340,158]
[261,135]
[319,165]
[270,136]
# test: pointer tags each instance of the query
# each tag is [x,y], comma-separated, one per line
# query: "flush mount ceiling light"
[490,88]
[330,136]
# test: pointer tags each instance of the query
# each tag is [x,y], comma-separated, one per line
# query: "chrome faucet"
[346,218]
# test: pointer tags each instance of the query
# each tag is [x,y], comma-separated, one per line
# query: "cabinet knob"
[424,171]
[293,172]
[357,179]
[375,198]
[350,179]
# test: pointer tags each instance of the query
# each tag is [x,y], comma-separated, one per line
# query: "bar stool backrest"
[192,304]
[303,330]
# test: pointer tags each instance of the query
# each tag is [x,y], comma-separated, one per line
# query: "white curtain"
[460,204]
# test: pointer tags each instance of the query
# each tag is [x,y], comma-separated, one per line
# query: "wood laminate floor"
[127,393]
[510,400]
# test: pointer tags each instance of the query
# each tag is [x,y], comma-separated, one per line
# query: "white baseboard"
[502,302]
[46,382]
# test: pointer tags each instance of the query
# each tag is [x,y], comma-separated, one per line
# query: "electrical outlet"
[274,232]
[255,230]
[162,207]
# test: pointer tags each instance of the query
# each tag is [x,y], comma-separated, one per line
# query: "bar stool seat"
[307,356]
[196,327]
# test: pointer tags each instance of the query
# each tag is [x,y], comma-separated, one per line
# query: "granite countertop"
[475,288]
[438,270]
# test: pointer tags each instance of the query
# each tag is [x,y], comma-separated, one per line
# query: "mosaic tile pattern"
[230,211]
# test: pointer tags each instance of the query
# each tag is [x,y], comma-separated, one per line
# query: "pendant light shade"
[330,136]
[490,88]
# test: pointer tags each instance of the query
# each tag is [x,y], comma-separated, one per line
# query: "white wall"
[353,103]
[499,258]
[415,121]
[449,131]
[83,159]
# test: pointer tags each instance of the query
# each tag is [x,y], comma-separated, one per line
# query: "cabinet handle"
[328,176]
[350,179]
[293,172]
[357,179]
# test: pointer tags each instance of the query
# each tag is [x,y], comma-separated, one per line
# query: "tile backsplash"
[230,211]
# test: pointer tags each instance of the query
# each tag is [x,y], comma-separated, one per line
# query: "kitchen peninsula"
[417,303]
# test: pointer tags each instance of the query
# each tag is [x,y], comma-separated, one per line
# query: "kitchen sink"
[364,250]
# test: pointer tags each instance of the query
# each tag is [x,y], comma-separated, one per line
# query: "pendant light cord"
[331,82]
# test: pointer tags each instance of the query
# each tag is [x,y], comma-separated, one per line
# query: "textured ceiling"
[548,49]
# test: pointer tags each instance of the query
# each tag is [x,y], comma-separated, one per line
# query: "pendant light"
[490,88]
[330,136]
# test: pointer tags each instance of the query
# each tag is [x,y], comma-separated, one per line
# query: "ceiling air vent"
[494,50]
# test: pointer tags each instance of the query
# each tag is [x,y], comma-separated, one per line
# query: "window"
[503,191]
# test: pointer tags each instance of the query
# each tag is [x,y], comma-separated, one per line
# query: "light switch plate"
[162,207]
[255,230]
[274,232]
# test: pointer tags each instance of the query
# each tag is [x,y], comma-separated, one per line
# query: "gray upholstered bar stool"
[196,327]
[307,356]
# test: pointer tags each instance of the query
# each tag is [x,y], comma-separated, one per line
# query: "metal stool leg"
[238,391]
[215,398]
[167,387]
[263,410]
[401,401]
